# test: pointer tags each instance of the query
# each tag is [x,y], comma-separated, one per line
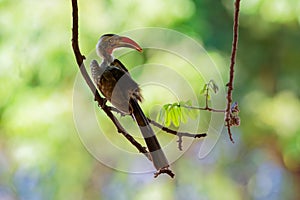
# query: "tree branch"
[177,133]
[204,108]
[184,134]
[101,101]
[231,72]
[167,130]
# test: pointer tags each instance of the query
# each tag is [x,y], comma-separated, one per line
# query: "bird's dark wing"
[107,82]
[118,87]
[118,64]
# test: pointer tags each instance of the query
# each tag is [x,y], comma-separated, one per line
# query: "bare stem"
[231,72]
[204,108]
[183,134]
[177,133]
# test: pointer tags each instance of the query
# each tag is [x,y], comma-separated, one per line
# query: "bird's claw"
[103,104]
[117,111]
[164,170]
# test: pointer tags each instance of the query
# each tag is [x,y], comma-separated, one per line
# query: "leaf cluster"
[210,86]
[176,113]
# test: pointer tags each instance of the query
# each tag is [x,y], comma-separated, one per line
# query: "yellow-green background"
[41,156]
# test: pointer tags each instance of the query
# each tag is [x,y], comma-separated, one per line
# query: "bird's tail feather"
[158,157]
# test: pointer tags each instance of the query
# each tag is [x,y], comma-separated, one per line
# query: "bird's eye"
[110,40]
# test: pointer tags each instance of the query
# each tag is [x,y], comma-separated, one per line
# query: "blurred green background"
[41,155]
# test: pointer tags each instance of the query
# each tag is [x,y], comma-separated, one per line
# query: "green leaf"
[166,106]
[161,115]
[176,114]
[182,104]
[183,116]
[203,90]
[174,119]
[208,97]
[168,118]
[188,103]
[193,113]
[178,111]
[214,86]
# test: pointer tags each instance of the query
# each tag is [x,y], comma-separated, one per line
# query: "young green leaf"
[167,118]
[161,115]
[185,112]
[192,113]
[188,103]
[213,86]
[208,96]
[203,90]
[177,114]
[183,117]
[174,117]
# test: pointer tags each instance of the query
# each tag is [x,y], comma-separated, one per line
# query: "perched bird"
[115,83]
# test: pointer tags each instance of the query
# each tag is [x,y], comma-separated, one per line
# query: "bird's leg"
[164,170]
[102,104]
[117,111]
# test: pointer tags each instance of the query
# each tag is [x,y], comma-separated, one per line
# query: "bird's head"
[108,42]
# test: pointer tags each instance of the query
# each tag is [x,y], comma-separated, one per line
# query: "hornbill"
[115,83]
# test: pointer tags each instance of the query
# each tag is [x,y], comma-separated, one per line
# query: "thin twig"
[182,134]
[167,130]
[204,108]
[206,97]
[179,143]
[207,85]
[231,73]
[177,133]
